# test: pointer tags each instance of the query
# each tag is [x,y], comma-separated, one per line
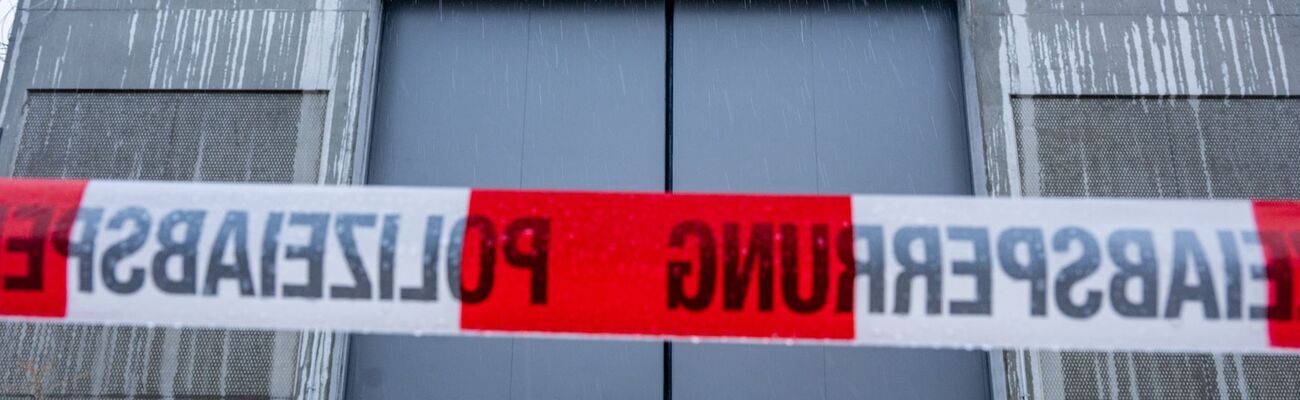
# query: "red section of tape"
[35,221]
[1279,235]
[641,264]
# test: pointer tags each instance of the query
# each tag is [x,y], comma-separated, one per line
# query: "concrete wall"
[293,45]
[1163,48]
[1135,47]
[195,44]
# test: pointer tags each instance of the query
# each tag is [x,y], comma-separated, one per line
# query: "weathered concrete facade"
[1162,50]
[317,46]
[292,45]
[1128,48]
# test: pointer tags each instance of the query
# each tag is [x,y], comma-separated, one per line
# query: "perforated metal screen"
[161,135]
[62,361]
[1166,148]
[1158,147]
[226,136]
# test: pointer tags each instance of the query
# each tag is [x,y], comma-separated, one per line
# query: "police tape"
[871,270]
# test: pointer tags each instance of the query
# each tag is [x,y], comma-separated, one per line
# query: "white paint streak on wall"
[210,43]
[1166,49]
[323,35]
[1202,65]
[355,84]
[268,32]
[1017,7]
[1236,56]
[12,64]
[1250,53]
[1268,57]
[1157,61]
[1282,66]
[40,50]
[63,56]
[1015,55]
[1191,77]
[155,47]
[244,49]
[1003,124]
[1110,72]
[1024,62]
[1085,54]
[1045,60]
[130,37]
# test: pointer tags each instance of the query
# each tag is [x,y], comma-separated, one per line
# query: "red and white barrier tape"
[874,270]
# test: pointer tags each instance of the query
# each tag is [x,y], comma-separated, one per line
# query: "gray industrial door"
[822,97]
[513,94]
[766,97]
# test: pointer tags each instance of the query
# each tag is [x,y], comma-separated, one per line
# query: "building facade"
[1138,98]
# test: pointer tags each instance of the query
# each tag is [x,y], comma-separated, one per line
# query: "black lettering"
[185,248]
[313,253]
[455,245]
[387,255]
[1232,274]
[980,267]
[32,245]
[1252,238]
[679,270]
[428,289]
[344,225]
[736,276]
[1078,270]
[270,249]
[1143,269]
[929,268]
[1033,269]
[234,226]
[873,267]
[487,251]
[1277,274]
[82,248]
[1187,248]
[790,268]
[536,261]
[124,248]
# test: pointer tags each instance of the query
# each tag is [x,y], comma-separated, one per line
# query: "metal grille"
[1158,147]
[160,135]
[179,136]
[1164,148]
[66,361]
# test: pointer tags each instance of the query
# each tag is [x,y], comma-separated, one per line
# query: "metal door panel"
[516,94]
[820,98]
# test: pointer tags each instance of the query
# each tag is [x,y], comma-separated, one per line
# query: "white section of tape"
[232,306]
[1011,322]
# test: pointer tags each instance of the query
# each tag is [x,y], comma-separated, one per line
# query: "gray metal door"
[823,97]
[516,94]
[767,97]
